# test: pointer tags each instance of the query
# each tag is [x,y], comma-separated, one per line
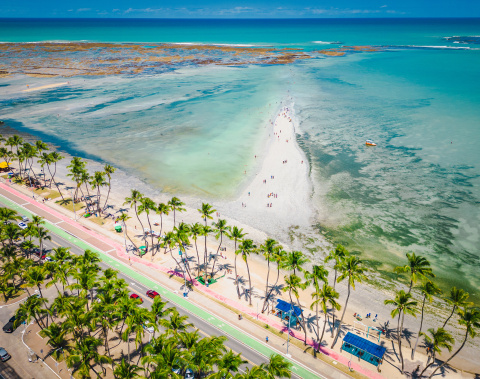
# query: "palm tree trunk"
[108,194]
[343,314]
[318,328]
[205,262]
[323,332]
[198,259]
[428,363]
[453,356]
[56,185]
[266,286]
[218,249]
[400,328]
[249,281]
[276,281]
[419,330]
[333,309]
[236,275]
[451,314]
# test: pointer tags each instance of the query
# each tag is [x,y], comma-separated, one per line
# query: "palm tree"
[277,367]
[109,170]
[14,141]
[324,297]
[206,230]
[196,230]
[126,370]
[458,298]
[292,284]
[56,339]
[352,270]
[77,168]
[31,308]
[236,234]
[97,182]
[440,339]
[255,372]
[206,212]
[221,228]
[268,248]
[124,218]
[42,236]
[279,256]
[227,365]
[176,205]
[35,276]
[428,290]
[418,267]
[82,353]
[147,205]
[295,260]
[134,199]
[470,318]
[403,305]
[175,323]
[162,209]
[247,247]
[339,254]
[54,157]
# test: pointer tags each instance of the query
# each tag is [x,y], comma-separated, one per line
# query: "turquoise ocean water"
[194,129]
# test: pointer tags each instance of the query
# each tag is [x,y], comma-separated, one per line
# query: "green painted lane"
[178,300]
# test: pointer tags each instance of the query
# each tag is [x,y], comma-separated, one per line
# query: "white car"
[25,219]
[49,259]
[149,328]
[189,374]
[22,225]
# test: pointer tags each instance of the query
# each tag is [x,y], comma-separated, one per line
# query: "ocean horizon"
[193,129]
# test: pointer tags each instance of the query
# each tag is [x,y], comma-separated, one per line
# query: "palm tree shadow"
[408,335]
[310,323]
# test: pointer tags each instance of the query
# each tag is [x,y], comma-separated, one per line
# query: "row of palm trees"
[92,317]
[347,268]
[435,340]
[25,153]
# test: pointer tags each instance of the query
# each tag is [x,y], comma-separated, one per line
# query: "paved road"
[251,348]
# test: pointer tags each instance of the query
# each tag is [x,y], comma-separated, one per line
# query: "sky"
[238,9]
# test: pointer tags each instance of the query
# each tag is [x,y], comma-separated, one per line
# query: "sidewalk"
[108,249]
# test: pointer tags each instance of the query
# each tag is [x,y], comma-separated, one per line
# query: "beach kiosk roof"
[4,165]
[287,307]
[363,348]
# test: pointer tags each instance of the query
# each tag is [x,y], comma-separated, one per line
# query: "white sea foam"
[327,42]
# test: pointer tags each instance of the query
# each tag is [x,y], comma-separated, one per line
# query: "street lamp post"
[289,321]
[73,202]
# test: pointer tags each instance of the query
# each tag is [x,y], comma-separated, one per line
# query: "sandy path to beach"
[280,192]
[46,86]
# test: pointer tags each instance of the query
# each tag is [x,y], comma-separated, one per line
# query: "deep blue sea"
[193,129]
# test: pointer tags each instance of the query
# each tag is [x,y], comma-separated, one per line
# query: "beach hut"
[363,349]
[288,312]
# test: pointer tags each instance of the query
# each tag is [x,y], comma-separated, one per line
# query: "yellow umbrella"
[4,164]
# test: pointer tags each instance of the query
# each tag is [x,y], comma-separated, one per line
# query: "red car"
[152,294]
[135,296]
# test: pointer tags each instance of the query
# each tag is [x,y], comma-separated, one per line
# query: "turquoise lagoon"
[194,130]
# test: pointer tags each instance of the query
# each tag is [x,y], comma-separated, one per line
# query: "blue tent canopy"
[363,348]
[287,307]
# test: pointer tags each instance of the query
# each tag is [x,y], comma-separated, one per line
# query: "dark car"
[136,297]
[152,294]
[4,356]
[8,327]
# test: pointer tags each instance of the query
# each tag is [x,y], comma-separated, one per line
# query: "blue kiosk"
[364,349]
[288,312]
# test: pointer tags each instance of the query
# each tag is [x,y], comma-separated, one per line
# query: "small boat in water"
[369,142]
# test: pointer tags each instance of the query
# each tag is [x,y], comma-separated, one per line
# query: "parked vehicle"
[152,294]
[9,327]
[4,356]
[22,225]
[25,219]
[135,296]
[189,374]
